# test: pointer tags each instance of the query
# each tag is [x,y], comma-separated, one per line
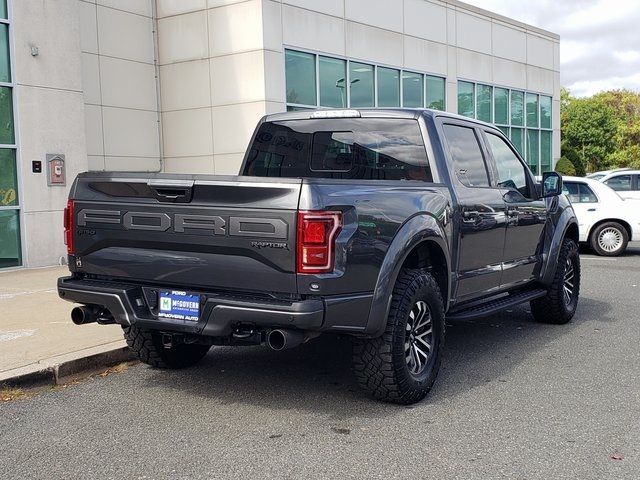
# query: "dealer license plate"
[179,305]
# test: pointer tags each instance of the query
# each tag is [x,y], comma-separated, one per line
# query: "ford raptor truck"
[375,223]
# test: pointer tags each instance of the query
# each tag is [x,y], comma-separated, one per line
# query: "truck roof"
[367,113]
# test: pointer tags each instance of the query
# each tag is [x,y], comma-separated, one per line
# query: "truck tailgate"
[187,230]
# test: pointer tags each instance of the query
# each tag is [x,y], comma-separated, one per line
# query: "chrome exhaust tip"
[279,340]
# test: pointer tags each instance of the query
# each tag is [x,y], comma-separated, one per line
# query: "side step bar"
[490,307]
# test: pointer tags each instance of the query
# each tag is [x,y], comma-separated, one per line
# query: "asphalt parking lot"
[514,399]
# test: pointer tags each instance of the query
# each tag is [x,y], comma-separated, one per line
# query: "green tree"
[589,127]
[573,156]
[602,131]
[565,167]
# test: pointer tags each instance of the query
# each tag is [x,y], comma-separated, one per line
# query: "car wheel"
[609,239]
[401,365]
[560,303]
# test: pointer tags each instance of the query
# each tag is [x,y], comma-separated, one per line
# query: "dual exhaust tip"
[278,339]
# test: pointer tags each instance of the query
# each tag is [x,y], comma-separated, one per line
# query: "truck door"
[526,213]
[480,213]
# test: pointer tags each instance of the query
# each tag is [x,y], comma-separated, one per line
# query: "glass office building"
[10,244]
[177,87]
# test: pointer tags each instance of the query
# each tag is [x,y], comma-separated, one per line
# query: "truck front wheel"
[561,301]
[401,365]
[148,347]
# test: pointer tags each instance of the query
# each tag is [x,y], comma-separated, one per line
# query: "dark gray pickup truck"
[371,223]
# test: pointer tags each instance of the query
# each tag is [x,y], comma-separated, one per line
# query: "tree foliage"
[602,131]
[565,167]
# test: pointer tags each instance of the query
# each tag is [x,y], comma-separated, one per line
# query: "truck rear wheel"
[401,365]
[148,347]
[561,301]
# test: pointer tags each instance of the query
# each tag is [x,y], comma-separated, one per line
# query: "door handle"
[591,210]
[470,216]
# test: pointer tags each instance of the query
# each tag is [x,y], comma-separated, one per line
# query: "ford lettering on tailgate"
[182,223]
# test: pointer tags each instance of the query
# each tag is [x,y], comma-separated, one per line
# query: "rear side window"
[579,192]
[362,148]
[468,161]
[621,183]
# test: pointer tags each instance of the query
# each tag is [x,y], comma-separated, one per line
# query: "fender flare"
[565,221]
[418,229]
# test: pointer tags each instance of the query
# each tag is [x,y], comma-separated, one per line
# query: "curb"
[51,371]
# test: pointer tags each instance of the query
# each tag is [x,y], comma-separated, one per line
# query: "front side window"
[467,156]
[579,192]
[511,172]
[621,183]
[367,148]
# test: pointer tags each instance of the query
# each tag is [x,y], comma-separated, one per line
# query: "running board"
[494,306]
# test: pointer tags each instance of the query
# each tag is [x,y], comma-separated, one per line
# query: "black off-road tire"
[617,230]
[380,364]
[554,307]
[147,345]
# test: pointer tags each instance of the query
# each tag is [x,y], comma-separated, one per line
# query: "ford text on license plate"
[179,305]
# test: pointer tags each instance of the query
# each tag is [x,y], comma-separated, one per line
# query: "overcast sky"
[600,39]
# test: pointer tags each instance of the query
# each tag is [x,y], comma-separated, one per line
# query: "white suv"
[605,221]
[625,182]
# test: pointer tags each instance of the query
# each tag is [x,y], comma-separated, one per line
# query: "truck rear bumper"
[132,304]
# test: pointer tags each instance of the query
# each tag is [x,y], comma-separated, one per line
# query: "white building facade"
[177,86]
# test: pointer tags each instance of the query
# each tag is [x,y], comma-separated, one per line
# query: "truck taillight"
[317,232]
[69,224]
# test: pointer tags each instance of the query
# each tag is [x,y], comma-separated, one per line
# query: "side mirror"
[551,184]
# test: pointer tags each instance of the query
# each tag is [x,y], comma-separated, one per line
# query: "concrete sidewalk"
[36,332]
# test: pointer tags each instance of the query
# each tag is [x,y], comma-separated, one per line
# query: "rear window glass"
[370,149]
[579,192]
[467,156]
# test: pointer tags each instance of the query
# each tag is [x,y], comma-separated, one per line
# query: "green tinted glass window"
[545,151]
[300,71]
[501,105]
[412,90]
[6,116]
[5,64]
[532,110]
[333,81]
[465,99]
[545,112]
[517,108]
[435,93]
[517,138]
[388,87]
[3,9]
[505,130]
[294,108]
[361,84]
[8,178]
[533,145]
[484,103]
[10,239]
